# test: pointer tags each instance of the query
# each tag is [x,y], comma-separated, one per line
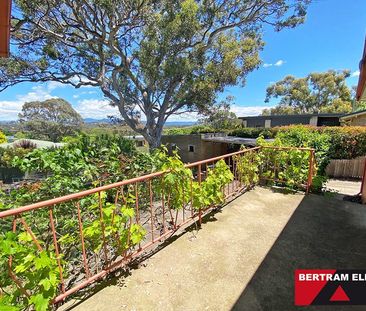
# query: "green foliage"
[176,183]
[247,167]
[20,135]
[254,132]
[287,168]
[107,224]
[35,270]
[360,106]
[2,138]
[197,129]
[318,183]
[325,92]
[347,142]
[108,217]
[77,165]
[7,155]
[210,191]
[51,119]
[220,117]
[308,137]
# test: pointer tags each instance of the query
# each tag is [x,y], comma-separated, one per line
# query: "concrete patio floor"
[244,257]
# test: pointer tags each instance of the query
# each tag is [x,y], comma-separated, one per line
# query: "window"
[190,148]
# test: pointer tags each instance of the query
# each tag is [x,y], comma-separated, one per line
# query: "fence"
[89,234]
[346,168]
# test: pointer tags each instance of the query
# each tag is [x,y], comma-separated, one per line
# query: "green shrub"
[7,155]
[318,183]
[2,138]
[254,132]
[196,129]
[347,142]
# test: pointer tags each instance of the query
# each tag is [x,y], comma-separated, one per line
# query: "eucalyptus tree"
[158,57]
[53,119]
[325,92]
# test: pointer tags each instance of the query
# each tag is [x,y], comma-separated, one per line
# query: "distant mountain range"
[91,120]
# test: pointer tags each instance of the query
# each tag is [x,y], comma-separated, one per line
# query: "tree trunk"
[153,137]
[154,143]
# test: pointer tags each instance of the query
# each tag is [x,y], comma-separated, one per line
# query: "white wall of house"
[314,121]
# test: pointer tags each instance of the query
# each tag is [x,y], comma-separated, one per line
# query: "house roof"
[38,143]
[361,87]
[5,15]
[353,115]
[234,140]
[326,115]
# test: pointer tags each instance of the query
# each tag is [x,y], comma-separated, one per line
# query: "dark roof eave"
[347,116]
[296,115]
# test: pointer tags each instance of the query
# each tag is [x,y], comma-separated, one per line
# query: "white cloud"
[52,85]
[188,116]
[95,108]
[279,63]
[9,109]
[242,111]
[355,73]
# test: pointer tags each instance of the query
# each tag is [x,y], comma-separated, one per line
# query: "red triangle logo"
[339,295]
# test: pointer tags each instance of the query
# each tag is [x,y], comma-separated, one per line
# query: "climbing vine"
[210,191]
[247,167]
[110,227]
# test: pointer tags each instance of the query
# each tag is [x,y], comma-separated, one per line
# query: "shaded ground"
[322,233]
[244,257]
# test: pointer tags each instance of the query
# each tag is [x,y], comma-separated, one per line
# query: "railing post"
[310,171]
[199,181]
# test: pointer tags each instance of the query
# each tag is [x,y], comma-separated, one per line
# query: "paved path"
[344,187]
[244,257]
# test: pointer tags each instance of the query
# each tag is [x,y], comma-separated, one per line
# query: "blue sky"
[331,38]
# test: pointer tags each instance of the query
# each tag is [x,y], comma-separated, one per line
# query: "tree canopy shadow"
[323,233]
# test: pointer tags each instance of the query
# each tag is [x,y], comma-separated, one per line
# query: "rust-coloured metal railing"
[152,210]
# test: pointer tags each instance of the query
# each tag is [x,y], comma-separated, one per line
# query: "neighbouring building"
[321,119]
[139,140]
[37,143]
[357,118]
[192,148]
[197,147]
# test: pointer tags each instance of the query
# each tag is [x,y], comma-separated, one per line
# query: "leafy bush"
[7,155]
[254,132]
[247,167]
[210,191]
[308,137]
[347,142]
[196,129]
[2,138]
[37,269]
[288,168]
